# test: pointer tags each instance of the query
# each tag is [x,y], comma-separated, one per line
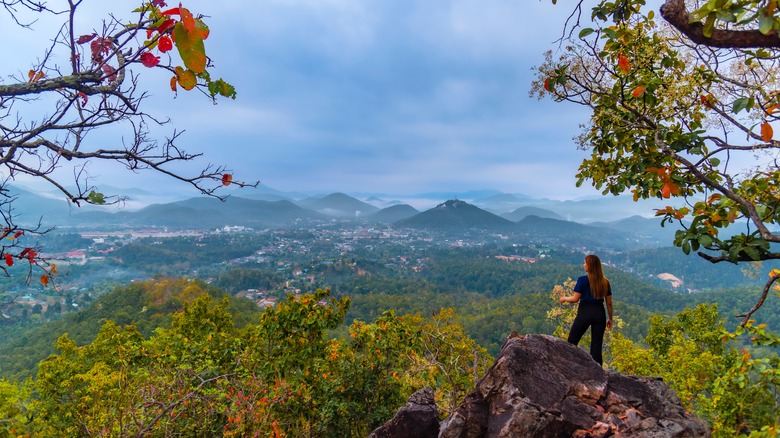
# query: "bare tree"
[49,114]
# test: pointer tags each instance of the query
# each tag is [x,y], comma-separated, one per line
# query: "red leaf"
[158,3]
[100,46]
[166,25]
[31,254]
[9,259]
[172,11]
[226,179]
[85,38]
[149,60]
[110,72]
[83,97]
[165,44]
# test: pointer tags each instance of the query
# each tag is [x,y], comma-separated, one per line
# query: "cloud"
[356,95]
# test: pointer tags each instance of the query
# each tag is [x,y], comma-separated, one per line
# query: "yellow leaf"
[766,132]
[186,78]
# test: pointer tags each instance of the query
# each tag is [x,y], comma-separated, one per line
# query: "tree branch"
[676,14]
[746,317]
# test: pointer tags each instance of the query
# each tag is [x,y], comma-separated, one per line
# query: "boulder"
[542,386]
[418,419]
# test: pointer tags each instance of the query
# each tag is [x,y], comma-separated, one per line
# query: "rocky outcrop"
[418,419]
[541,386]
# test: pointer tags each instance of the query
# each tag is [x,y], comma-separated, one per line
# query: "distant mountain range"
[490,211]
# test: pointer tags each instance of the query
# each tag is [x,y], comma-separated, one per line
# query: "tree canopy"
[86,81]
[681,108]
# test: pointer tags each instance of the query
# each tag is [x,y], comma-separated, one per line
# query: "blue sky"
[393,96]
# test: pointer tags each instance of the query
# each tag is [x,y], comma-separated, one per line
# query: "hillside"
[521,213]
[393,213]
[145,305]
[203,213]
[455,215]
[340,205]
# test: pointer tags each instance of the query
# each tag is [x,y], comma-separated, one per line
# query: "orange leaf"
[624,64]
[45,280]
[547,85]
[226,179]
[186,78]
[670,189]
[766,132]
[186,19]
[173,83]
[714,198]
[708,100]
[53,269]
[638,91]
[772,109]
[201,28]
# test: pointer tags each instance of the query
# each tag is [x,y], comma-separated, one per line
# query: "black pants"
[590,315]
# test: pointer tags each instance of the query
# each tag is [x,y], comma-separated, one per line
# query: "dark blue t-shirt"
[583,288]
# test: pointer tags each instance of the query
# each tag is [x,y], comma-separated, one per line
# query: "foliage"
[674,117]
[145,305]
[693,352]
[281,376]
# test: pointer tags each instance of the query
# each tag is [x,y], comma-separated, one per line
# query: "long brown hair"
[599,285]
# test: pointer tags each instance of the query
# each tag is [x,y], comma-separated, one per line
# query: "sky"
[364,96]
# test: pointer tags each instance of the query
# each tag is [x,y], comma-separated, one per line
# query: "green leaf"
[740,104]
[714,162]
[222,88]
[765,24]
[585,32]
[96,198]
[191,48]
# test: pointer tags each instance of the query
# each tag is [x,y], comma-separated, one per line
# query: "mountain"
[572,234]
[207,212]
[522,212]
[339,205]
[393,214]
[502,202]
[647,229]
[457,215]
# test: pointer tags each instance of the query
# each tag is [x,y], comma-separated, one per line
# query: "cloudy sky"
[391,96]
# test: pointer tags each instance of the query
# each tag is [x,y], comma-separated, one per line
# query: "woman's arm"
[609,312]
[575,298]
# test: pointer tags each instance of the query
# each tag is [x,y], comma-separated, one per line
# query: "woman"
[591,291]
